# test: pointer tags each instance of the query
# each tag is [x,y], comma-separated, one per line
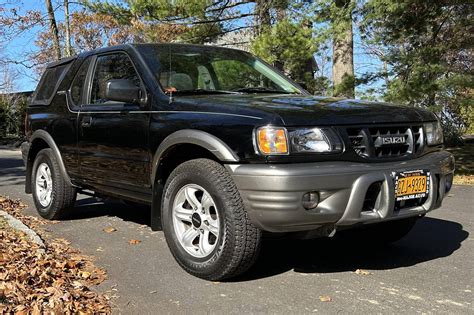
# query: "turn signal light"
[272,140]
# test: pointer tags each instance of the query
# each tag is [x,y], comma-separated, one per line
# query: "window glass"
[235,74]
[111,67]
[48,83]
[77,87]
[190,70]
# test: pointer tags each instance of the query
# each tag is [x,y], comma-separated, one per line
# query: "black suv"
[224,147]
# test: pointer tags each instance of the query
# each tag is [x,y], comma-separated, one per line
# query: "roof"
[138,47]
[61,61]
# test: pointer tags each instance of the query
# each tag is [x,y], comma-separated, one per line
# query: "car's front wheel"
[52,195]
[205,224]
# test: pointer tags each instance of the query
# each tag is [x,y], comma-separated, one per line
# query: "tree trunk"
[280,16]
[67,29]
[54,29]
[342,57]
[262,16]
[310,65]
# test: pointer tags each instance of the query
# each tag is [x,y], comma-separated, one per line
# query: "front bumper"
[272,193]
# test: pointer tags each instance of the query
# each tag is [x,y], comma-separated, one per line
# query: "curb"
[19,226]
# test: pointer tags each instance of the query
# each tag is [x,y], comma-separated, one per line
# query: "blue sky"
[24,44]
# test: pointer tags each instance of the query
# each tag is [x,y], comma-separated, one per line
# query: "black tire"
[63,195]
[239,242]
[380,234]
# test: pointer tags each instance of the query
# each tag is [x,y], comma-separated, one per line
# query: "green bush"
[12,115]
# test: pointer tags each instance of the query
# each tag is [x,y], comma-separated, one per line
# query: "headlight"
[272,140]
[315,140]
[434,133]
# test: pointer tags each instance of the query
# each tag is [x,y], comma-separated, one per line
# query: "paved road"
[429,271]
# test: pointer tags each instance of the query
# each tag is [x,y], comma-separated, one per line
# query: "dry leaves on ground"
[110,229]
[362,272]
[134,242]
[15,207]
[463,179]
[56,281]
[325,298]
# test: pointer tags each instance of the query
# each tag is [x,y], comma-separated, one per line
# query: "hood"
[297,110]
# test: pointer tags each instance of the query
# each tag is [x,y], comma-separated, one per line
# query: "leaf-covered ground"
[57,280]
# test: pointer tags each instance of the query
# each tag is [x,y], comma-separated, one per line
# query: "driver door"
[113,136]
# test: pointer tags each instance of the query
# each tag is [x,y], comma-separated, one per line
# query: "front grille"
[386,141]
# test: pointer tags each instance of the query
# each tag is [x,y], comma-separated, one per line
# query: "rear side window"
[77,87]
[48,84]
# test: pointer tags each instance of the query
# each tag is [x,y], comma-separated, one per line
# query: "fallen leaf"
[110,229]
[77,284]
[134,242]
[362,272]
[52,281]
[71,264]
[325,298]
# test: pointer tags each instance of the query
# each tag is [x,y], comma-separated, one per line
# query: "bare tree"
[262,16]
[53,29]
[67,29]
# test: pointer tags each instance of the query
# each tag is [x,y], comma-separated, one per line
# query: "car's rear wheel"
[205,224]
[52,195]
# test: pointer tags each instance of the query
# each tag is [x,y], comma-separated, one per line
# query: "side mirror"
[122,90]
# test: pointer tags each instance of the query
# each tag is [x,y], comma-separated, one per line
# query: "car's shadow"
[91,207]
[430,239]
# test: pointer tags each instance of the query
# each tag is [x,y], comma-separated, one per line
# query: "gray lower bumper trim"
[272,193]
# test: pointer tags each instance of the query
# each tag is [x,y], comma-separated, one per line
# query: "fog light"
[449,182]
[310,200]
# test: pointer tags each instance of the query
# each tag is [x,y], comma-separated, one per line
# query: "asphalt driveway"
[429,271]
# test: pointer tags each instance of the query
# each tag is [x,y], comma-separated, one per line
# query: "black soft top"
[143,46]
[61,61]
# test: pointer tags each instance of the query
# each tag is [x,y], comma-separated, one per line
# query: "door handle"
[86,121]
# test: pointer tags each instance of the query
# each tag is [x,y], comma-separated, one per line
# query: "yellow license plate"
[411,185]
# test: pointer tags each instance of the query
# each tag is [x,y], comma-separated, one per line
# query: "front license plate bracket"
[410,185]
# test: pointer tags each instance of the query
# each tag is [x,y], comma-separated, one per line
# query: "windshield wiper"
[262,90]
[203,91]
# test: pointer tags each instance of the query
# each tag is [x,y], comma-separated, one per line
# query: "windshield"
[196,70]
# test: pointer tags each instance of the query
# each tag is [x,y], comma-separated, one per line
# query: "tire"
[62,195]
[236,242]
[384,233]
